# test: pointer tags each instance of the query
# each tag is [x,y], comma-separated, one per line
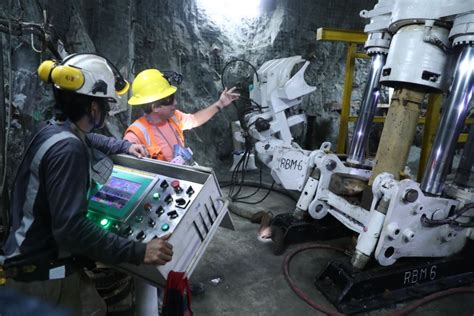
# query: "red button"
[147,206]
[175,184]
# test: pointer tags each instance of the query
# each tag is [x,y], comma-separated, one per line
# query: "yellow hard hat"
[150,86]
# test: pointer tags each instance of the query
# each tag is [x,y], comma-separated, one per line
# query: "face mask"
[101,122]
[104,109]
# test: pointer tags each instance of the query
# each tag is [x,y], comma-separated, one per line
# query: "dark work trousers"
[76,293]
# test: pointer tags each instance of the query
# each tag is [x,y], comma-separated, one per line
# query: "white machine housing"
[404,235]
[419,50]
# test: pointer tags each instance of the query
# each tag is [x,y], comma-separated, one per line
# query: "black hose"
[259,201]
[450,220]
[233,61]
[246,212]
[263,185]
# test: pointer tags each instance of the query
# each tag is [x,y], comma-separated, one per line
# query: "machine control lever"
[160,210]
[173,214]
[190,191]
[168,199]
[164,184]
[141,235]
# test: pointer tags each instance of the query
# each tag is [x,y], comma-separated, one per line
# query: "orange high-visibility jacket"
[144,131]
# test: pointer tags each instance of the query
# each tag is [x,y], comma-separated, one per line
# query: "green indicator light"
[156,195]
[165,227]
[104,222]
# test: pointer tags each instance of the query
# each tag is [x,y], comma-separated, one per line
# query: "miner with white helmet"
[48,230]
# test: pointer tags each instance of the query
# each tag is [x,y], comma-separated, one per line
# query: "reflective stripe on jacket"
[49,204]
[19,233]
[145,133]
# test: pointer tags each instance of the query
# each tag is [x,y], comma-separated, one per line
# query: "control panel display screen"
[116,192]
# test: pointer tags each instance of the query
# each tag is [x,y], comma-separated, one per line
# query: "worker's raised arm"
[226,98]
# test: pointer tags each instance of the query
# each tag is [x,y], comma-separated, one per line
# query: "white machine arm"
[276,92]
[279,94]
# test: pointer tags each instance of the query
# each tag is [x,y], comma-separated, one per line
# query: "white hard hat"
[99,78]
[84,73]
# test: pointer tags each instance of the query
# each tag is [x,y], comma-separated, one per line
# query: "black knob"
[168,199]
[151,222]
[190,191]
[141,235]
[159,211]
[128,231]
[164,184]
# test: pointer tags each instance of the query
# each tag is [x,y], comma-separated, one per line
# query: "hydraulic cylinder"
[367,111]
[454,114]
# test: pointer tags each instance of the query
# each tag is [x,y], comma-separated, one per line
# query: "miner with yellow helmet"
[49,234]
[161,126]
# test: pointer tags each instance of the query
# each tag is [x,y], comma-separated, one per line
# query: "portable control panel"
[141,205]
[144,199]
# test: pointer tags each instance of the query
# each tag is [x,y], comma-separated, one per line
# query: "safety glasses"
[166,101]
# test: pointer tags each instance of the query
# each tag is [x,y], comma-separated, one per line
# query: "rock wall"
[177,35]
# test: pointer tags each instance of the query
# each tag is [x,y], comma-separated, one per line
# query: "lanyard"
[178,140]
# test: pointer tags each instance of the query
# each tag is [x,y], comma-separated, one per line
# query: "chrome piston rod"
[454,114]
[367,111]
